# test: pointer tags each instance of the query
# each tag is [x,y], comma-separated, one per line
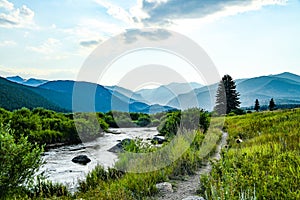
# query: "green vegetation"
[19,161]
[227,96]
[114,184]
[15,96]
[256,106]
[47,127]
[265,165]
[116,119]
[190,119]
[272,105]
[181,156]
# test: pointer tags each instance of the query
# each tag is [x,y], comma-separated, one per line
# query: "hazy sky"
[52,39]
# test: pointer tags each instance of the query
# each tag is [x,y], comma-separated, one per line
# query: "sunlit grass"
[139,185]
[265,166]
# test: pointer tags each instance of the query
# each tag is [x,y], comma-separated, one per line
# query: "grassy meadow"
[266,165]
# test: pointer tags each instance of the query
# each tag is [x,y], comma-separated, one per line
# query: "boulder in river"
[120,146]
[158,140]
[81,159]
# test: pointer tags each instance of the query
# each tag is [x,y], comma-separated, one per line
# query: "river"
[60,169]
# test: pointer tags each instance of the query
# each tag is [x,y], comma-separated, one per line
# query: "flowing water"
[59,167]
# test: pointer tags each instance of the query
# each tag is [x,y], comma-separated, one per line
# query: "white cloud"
[174,12]
[48,47]
[137,12]
[91,32]
[48,74]
[6,5]
[13,17]
[7,43]
[116,11]
[90,43]
[189,24]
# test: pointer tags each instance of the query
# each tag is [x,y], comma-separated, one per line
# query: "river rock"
[114,132]
[158,140]
[193,198]
[81,159]
[119,147]
[164,187]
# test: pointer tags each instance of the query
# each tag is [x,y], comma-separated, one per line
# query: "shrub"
[45,189]
[19,162]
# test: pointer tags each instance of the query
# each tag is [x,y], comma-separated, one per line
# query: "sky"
[52,39]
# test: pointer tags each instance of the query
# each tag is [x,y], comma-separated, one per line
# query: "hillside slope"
[14,96]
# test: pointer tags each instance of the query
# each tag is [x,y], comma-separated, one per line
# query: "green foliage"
[117,119]
[89,126]
[143,120]
[114,184]
[256,106]
[272,105]
[227,96]
[19,162]
[169,124]
[46,189]
[49,127]
[98,175]
[44,126]
[190,119]
[237,111]
[265,165]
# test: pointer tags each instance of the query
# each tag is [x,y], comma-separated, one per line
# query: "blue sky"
[52,39]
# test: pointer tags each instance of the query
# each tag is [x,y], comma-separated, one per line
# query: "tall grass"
[133,185]
[138,169]
[265,166]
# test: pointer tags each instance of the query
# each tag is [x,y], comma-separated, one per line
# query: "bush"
[143,121]
[19,162]
[191,119]
[45,189]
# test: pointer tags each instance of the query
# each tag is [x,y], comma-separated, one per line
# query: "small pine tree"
[272,105]
[227,98]
[256,106]
[220,107]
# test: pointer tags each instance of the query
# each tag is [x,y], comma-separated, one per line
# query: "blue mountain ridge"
[284,88]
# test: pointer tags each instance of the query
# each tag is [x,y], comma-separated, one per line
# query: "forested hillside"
[15,96]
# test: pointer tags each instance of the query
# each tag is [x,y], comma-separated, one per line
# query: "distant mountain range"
[29,82]
[58,95]
[14,96]
[284,88]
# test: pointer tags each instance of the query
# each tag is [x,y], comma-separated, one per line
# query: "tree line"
[227,98]
[48,127]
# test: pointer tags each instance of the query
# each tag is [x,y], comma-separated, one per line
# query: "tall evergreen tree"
[227,98]
[256,106]
[272,105]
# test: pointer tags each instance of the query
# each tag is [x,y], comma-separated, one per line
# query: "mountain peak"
[16,79]
[288,75]
[29,82]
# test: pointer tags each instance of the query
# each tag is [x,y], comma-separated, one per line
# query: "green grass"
[134,185]
[135,175]
[265,166]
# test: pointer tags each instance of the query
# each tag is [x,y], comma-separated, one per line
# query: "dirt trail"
[185,188]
